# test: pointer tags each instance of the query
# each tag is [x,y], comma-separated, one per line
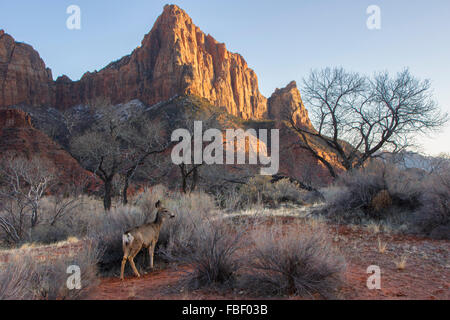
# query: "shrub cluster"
[302,263]
[260,189]
[25,278]
[382,192]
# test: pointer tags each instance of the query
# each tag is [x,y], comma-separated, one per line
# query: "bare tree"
[190,172]
[23,184]
[117,146]
[143,141]
[358,117]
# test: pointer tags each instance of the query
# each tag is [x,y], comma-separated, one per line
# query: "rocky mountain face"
[287,103]
[19,137]
[24,79]
[176,57]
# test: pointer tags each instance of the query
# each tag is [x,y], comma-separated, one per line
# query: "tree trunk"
[125,193]
[108,194]
[34,217]
[194,179]
[183,178]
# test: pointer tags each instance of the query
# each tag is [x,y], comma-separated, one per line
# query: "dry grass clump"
[26,278]
[381,246]
[260,189]
[401,263]
[299,262]
[213,256]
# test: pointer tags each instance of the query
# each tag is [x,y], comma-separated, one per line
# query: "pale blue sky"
[281,40]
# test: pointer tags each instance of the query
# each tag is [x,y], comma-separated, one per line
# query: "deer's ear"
[158,204]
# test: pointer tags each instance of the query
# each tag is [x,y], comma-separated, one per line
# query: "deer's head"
[163,213]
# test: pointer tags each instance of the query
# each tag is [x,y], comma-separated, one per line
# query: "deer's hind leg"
[131,259]
[122,268]
[126,254]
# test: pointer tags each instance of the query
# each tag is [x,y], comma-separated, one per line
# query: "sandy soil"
[426,274]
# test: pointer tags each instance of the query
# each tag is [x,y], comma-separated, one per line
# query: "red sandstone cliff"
[17,136]
[176,57]
[287,103]
[23,75]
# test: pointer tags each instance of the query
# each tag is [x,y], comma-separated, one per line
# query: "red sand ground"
[426,275]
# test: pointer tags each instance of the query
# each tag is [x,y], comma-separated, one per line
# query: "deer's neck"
[159,221]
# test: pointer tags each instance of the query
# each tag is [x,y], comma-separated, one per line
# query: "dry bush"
[410,200]
[147,199]
[286,191]
[261,189]
[231,199]
[177,236]
[302,263]
[25,278]
[23,184]
[256,189]
[373,193]
[212,256]
[433,218]
[381,201]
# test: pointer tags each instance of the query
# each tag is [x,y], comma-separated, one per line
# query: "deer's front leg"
[151,253]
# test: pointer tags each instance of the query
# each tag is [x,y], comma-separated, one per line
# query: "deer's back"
[146,233]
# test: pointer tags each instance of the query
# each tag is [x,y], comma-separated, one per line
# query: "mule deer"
[145,236]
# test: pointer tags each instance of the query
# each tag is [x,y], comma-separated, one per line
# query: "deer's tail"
[127,238]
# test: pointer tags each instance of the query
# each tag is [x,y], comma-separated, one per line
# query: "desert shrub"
[147,199]
[177,236]
[302,263]
[213,256]
[286,191]
[48,234]
[261,189]
[372,192]
[231,199]
[381,201]
[409,200]
[25,278]
[257,189]
[433,218]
